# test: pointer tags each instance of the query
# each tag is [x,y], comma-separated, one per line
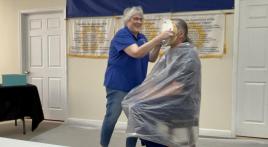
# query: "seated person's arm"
[152,91]
[172,89]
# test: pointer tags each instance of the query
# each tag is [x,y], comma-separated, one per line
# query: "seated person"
[164,110]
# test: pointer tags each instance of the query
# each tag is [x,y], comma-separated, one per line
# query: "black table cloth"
[20,101]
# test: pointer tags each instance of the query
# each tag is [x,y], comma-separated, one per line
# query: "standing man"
[127,67]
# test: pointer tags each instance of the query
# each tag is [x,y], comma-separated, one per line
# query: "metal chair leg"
[23,123]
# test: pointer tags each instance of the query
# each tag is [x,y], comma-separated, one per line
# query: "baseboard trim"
[121,126]
[88,123]
[215,133]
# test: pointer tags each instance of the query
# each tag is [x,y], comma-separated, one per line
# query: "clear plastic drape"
[165,107]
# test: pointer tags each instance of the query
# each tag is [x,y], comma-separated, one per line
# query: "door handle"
[26,72]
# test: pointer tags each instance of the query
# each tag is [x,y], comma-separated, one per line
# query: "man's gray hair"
[182,25]
[129,12]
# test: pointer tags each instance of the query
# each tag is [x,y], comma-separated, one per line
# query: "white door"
[252,75]
[46,60]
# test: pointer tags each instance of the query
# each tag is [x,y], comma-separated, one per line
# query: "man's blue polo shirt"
[123,71]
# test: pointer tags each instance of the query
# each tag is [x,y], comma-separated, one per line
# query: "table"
[17,102]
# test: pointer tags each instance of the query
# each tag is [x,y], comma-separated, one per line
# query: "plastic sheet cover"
[165,107]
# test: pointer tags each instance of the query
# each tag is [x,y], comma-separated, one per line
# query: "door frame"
[235,81]
[22,43]
[235,70]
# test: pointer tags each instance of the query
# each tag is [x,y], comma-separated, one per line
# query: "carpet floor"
[58,133]
[68,135]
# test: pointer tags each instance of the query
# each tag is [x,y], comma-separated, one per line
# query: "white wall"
[216,106]
[87,92]
[9,26]
[85,75]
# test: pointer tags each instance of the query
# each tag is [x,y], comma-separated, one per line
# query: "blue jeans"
[113,111]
